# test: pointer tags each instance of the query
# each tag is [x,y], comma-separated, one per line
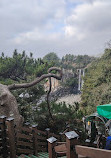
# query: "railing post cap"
[10,119]
[34,126]
[51,140]
[27,124]
[61,133]
[87,141]
[47,129]
[3,116]
[95,142]
[71,135]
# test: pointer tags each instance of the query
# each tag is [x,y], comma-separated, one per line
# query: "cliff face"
[71,81]
[57,85]
[97,82]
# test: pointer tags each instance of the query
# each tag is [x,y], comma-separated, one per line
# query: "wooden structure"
[27,140]
[89,152]
[67,148]
[3,138]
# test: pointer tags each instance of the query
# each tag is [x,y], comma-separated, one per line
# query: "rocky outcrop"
[8,105]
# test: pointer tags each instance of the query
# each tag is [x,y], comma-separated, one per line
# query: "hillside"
[97,83]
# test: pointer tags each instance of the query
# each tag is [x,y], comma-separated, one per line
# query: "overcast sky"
[60,26]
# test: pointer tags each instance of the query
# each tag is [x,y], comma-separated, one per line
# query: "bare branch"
[37,80]
[47,99]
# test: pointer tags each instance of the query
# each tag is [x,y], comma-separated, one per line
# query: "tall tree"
[52,57]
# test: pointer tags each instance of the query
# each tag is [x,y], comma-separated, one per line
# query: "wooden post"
[35,143]
[48,132]
[3,137]
[11,136]
[71,141]
[60,136]
[48,135]
[51,145]
[71,148]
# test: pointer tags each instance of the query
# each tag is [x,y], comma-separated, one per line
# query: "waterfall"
[80,80]
[79,84]
[83,74]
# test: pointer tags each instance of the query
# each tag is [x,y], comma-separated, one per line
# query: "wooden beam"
[11,136]
[92,152]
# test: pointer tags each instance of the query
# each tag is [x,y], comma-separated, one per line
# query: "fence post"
[48,135]
[4,150]
[71,141]
[51,145]
[11,136]
[48,132]
[35,143]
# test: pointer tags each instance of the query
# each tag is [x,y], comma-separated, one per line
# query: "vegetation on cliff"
[97,83]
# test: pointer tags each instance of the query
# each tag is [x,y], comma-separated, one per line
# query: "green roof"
[104,110]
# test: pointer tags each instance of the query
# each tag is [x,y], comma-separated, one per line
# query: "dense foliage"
[21,68]
[52,58]
[97,83]
[61,112]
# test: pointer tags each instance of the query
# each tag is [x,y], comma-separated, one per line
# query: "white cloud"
[34,35]
[91,17]
[90,24]
[71,31]
[62,26]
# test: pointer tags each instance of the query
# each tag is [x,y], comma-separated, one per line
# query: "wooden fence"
[25,140]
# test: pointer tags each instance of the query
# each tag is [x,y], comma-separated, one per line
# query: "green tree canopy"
[52,57]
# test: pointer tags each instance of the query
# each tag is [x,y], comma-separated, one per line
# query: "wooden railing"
[30,140]
[25,140]
[89,152]
[58,149]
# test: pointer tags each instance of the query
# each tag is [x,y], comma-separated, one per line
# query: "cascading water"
[83,74]
[79,84]
[80,80]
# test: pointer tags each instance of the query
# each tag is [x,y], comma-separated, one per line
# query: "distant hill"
[80,61]
[69,61]
[97,83]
